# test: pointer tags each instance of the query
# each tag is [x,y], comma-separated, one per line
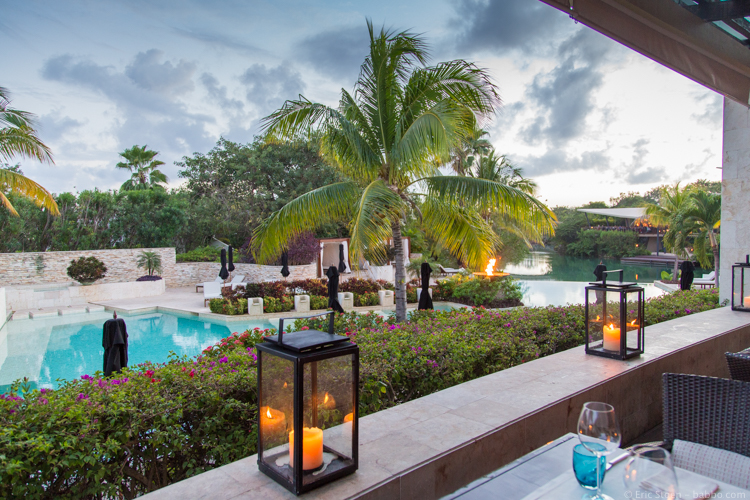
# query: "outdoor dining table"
[547,474]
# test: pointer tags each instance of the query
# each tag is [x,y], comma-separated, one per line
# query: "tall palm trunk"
[398,246]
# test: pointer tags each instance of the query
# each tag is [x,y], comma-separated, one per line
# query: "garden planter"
[302,303]
[386,298]
[255,306]
[346,299]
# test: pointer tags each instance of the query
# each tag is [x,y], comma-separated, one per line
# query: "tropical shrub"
[87,269]
[154,425]
[366,299]
[274,305]
[227,306]
[318,302]
[478,291]
[200,254]
[594,243]
[309,286]
[359,286]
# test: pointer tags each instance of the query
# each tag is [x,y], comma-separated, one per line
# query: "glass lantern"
[308,389]
[614,318]
[741,285]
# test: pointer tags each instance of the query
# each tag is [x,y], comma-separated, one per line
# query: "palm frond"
[305,213]
[376,209]
[489,195]
[460,230]
[27,188]
[23,141]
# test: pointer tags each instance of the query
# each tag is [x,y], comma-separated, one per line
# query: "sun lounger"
[237,281]
[200,285]
[211,290]
[707,280]
[447,271]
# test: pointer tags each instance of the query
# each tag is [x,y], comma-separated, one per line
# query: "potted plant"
[151,262]
[87,270]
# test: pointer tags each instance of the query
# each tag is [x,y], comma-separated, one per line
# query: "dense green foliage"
[593,243]
[157,424]
[200,254]
[87,269]
[227,192]
[479,291]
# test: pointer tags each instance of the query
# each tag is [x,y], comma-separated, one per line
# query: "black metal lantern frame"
[308,388]
[741,285]
[614,328]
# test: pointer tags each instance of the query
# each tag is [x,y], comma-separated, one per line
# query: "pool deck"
[187,301]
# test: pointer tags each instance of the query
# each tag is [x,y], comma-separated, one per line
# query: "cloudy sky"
[582,115]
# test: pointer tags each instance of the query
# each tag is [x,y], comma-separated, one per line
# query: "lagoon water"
[548,278]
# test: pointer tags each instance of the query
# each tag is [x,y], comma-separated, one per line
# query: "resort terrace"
[430,447]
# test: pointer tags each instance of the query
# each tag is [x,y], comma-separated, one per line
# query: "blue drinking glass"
[584,465]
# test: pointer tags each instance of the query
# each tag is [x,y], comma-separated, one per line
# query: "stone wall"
[735,193]
[191,273]
[34,268]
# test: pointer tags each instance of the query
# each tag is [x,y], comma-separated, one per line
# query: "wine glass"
[599,433]
[651,471]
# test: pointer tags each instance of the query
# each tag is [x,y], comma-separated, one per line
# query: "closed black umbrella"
[599,271]
[285,264]
[230,266]
[333,289]
[223,273]
[425,301]
[342,264]
[115,344]
[688,273]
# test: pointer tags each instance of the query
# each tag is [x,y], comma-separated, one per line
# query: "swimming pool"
[66,347]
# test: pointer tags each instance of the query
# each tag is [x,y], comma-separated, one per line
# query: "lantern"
[308,424]
[614,318]
[741,285]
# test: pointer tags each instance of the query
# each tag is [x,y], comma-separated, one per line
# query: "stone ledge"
[432,446]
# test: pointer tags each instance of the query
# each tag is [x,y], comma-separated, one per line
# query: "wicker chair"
[707,410]
[739,365]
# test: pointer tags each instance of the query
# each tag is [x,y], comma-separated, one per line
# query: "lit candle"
[272,421]
[348,426]
[328,402]
[746,302]
[611,338]
[312,448]
[632,325]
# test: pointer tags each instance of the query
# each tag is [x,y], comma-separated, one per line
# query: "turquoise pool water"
[67,347]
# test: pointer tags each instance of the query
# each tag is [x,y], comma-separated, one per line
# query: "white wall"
[735,192]
[3,308]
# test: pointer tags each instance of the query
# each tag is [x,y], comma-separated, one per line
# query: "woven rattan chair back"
[707,410]
[739,365]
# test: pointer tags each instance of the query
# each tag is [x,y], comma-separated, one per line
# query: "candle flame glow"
[284,385]
[489,267]
[611,326]
[325,400]
[268,413]
[636,276]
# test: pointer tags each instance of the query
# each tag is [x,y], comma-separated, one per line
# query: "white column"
[735,192]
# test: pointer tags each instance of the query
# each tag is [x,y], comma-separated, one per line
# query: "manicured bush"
[227,306]
[87,269]
[200,254]
[318,302]
[309,287]
[157,424]
[366,299]
[359,286]
[274,305]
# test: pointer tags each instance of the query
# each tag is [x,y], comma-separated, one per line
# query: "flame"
[268,413]
[284,385]
[636,276]
[611,326]
[632,323]
[597,317]
[325,400]
[489,267]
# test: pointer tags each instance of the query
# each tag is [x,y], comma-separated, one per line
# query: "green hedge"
[595,243]
[227,306]
[157,424]
[200,254]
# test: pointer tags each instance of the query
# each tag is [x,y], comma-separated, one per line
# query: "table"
[547,474]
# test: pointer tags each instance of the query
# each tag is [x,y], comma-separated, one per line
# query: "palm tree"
[670,212]
[472,146]
[704,215]
[19,137]
[150,261]
[403,119]
[143,168]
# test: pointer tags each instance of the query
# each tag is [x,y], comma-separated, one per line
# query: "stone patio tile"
[495,382]
[45,313]
[95,309]
[381,424]
[398,451]
[489,412]
[454,397]
[532,395]
[419,409]
[446,431]
[209,485]
[64,311]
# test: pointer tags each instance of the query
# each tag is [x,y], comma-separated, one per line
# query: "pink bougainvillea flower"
[223,360]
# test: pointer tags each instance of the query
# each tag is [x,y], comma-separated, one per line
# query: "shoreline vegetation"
[156,424]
